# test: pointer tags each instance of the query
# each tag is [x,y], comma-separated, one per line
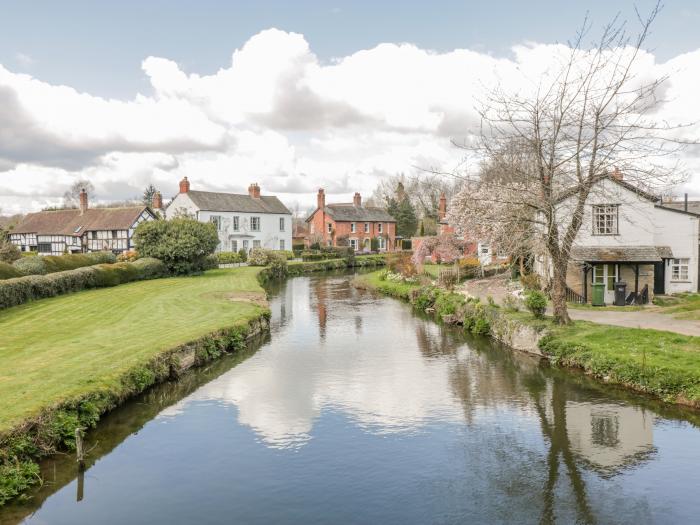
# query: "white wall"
[269,235]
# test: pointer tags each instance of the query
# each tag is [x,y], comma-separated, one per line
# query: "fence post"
[79,452]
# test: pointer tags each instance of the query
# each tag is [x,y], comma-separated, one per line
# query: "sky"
[292,95]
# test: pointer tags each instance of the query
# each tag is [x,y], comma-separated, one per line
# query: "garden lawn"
[59,348]
[681,306]
[372,281]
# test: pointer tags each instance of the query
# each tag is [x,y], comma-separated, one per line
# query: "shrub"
[150,268]
[277,261]
[536,302]
[128,256]
[31,266]
[243,254]
[531,281]
[210,263]
[228,257]
[182,244]
[510,303]
[448,303]
[61,263]
[400,262]
[7,271]
[9,253]
[258,257]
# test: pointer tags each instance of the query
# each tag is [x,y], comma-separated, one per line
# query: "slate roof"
[693,206]
[214,201]
[67,222]
[621,254]
[621,182]
[352,213]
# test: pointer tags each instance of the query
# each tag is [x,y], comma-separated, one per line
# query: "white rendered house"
[242,221]
[628,234]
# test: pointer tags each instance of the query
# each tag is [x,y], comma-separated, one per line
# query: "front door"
[660,278]
[608,275]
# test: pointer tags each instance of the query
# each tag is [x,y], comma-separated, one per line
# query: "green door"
[605,275]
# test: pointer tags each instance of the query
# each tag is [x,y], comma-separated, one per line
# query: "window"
[236,223]
[330,228]
[679,269]
[605,219]
[114,234]
[366,227]
[44,247]
[352,227]
[256,244]
[606,274]
[282,244]
[245,245]
[281,224]
[353,244]
[93,235]
[255,224]
[485,248]
[382,243]
[216,219]
[234,246]
[379,227]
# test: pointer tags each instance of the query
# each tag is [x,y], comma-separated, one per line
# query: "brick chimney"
[83,201]
[321,199]
[617,174]
[184,185]
[442,207]
[254,190]
[357,199]
[157,203]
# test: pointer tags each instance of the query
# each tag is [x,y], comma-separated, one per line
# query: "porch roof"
[621,253]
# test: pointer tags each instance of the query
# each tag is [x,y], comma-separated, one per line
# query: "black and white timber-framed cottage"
[82,229]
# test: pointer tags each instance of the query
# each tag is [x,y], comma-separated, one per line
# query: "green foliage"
[228,257]
[8,271]
[405,215]
[243,254]
[45,264]
[277,262]
[182,244]
[510,303]
[258,257]
[9,253]
[16,477]
[374,244]
[536,302]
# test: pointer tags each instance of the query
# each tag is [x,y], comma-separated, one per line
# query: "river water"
[356,410]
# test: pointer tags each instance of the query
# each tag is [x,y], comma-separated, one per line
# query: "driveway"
[500,285]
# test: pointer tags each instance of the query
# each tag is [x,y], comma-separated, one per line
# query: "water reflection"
[359,410]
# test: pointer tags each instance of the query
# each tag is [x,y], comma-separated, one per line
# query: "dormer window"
[605,219]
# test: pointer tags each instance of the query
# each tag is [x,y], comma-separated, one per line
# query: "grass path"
[55,349]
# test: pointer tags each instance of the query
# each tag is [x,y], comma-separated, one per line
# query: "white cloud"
[275,115]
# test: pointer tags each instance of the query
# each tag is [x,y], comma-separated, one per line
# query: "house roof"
[621,254]
[693,207]
[71,222]
[213,201]
[621,182]
[351,213]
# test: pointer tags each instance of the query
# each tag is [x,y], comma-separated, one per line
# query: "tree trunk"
[561,312]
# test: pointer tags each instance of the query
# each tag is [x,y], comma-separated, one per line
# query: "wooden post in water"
[81,485]
[79,451]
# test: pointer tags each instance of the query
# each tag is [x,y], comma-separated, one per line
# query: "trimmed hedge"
[8,271]
[20,290]
[46,264]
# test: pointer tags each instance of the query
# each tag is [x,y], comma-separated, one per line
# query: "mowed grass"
[681,306]
[55,349]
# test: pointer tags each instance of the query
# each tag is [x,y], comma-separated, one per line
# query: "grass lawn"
[371,281]
[55,349]
[682,306]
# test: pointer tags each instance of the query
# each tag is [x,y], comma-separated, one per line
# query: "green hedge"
[20,290]
[43,265]
[8,271]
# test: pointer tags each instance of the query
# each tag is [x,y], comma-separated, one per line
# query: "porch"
[641,267]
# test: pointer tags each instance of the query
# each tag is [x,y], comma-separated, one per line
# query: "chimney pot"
[83,201]
[254,190]
[357,199]
[184,185]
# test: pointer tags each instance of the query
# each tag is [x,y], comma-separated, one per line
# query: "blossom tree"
[445,248]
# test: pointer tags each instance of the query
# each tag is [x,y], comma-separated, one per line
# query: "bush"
[9,253]
[531,281]
[7,271]
[536,302]
[243,254]
[182,244]
[277,261]
[128,256]
[400,262]
[510,303]
[258,257]
[31,266]
[228,257]
[150,268]
[60,263]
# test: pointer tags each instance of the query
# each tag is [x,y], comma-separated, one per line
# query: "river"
[357,410]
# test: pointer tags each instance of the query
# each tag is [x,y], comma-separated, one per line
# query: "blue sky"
[98,46]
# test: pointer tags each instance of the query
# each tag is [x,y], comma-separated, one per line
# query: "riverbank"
[67,360]
[663,364]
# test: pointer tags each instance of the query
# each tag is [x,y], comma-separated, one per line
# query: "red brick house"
[351,224]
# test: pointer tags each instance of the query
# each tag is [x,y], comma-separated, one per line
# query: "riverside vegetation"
[663,364]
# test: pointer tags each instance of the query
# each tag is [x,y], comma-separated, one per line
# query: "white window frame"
[255,224]
[330,227]
[246,245]
[381,244]
[680,270]
[234,246]
[216,220]
[236,223]
[353,244]
[282,244]
[352,227]
[281,224]
[605,219]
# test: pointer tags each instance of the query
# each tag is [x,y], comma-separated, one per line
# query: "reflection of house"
[242,221]
[628,235]
[609,437]
[81,230]
[352,223]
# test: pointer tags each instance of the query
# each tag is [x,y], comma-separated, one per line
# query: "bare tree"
[588,116]
[71,198]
